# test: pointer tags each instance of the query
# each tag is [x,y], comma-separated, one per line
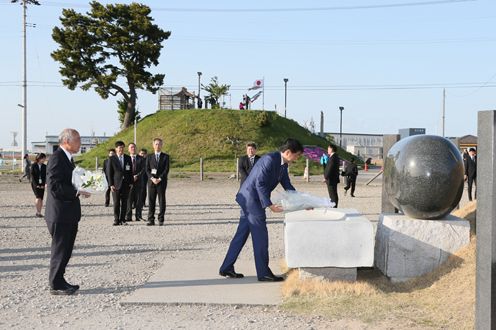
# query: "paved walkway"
[197,282]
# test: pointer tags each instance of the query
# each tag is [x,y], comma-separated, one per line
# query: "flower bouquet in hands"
[292,200]
[89,181]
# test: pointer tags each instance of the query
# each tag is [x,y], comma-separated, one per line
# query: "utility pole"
[24,106]
[444,111]
[24,84]
[322,124]
[285,95]
[340,125]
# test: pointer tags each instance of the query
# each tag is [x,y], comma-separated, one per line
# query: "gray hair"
[68,135]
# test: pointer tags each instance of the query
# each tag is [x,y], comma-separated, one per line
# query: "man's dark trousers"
[154,191]
[134,200]
[470,182]
[63,237]
[257,225]
[333,192]
[120,197]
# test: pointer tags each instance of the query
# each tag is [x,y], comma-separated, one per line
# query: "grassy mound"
[218,136]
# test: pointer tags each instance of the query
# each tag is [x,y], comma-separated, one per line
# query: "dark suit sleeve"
[328,170]
[355,170]
[61,188]
[34,176]
[110,172]
[139,165]
[285,182]
[165,173]
[262,186]
[105,164]
[243,173]
[148,166]
[43,174]
[465,164]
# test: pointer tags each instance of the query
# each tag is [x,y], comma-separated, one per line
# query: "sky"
[385,61]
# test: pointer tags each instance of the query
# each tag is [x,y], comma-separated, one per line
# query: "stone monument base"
[406,248]
[329,273]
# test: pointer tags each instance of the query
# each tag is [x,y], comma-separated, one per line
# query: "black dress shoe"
[150,223]
[231,274]
[70,286]
[66,291]
[161,223]
[116,223]
[271,278]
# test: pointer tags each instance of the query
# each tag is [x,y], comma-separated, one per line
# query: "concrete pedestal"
[341,238]
[329,273]
[406,248]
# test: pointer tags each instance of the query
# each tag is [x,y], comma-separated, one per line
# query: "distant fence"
[231,166]
[10,165]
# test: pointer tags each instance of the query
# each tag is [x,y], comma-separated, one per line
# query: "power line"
[272,10]
[310,88]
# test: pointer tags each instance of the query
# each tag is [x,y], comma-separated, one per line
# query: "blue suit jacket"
[267,173]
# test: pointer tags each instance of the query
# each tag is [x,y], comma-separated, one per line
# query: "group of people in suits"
[129,177]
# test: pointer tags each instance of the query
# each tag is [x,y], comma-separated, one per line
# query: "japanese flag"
[257,84]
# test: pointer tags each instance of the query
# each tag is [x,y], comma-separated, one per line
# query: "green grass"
[217,136]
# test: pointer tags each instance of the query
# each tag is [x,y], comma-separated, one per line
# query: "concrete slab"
[329,273]
[198,282]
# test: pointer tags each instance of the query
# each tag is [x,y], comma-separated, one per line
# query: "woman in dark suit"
[38,181]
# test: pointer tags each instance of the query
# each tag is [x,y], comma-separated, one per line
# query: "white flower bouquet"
[88,181]
[292,200]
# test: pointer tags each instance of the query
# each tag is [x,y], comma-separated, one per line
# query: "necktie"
[134,164]
[157,156]
[121,161]
[252,161]
[72,162]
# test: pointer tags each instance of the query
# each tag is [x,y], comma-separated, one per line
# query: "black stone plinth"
[423,176]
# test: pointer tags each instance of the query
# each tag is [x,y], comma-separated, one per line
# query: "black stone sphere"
[423,176]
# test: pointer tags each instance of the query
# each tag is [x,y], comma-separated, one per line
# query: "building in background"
[362,145]
[406,132]
[175,99]
[464,142]
[51,144]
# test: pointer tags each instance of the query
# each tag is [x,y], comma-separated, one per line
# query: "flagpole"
[263,93]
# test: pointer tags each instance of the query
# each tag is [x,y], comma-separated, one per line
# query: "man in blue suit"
[254,197]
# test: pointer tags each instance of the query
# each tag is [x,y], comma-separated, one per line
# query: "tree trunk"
[131,108]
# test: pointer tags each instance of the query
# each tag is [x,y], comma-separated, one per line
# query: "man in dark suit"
[254,198]
[470,163]
[351,173]
[247,162]
[157,170]
[144,180]
[63,210]
[111,152]
[120,177]
[331,173]
[138,168]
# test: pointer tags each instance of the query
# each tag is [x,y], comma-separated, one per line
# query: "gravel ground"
[111,262]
